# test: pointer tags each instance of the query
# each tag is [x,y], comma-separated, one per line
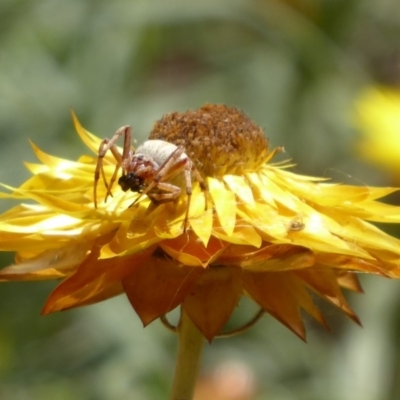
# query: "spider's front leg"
[109,144]
[189,169]
[170,193]
[174,165]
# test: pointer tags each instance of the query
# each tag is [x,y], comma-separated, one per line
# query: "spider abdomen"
[158,150]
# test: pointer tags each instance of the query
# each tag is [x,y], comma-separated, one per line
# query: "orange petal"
[212,300]
[158,286]
[281,295]
[324,282]
[275,257]
[189,250]
[104,292]
[349,280]
[52,264]
[345,262]
[92,276]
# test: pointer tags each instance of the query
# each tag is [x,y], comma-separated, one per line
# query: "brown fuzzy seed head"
[219,139]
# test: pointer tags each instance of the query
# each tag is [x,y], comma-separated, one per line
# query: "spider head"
[131,181]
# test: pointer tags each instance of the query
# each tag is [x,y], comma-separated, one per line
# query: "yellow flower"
[378,117]
[264,232]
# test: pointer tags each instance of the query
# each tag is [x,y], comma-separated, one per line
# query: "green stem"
[187,366]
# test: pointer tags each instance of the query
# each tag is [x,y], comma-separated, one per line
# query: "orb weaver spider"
[148,169]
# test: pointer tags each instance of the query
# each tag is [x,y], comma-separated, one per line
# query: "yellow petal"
[243,235]
[91,141]
[240,187]
[225,204]
[201,218]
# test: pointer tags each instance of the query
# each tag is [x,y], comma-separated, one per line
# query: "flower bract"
[378,117]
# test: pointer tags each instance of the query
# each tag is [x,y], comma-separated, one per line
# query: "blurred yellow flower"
[267,233]
[378,117]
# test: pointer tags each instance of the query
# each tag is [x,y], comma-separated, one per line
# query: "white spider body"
[157,152]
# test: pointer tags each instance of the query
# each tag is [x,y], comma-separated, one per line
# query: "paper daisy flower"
[378,118]
[253,228]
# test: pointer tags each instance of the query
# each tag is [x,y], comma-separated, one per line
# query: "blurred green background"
[296,67]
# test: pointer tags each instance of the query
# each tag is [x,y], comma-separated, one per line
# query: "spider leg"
[188,170]
[202,183]
[188,182]
[172,192]
[109,144]
[99,169]
[173,165]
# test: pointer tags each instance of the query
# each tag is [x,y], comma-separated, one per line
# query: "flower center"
[219,139]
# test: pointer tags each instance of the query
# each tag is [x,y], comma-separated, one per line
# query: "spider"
[148,169]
